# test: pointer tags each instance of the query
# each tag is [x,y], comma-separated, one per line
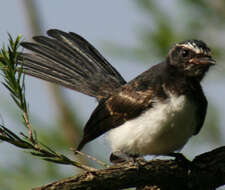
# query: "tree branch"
[206,171]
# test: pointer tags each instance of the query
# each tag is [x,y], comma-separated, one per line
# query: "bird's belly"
[159,130]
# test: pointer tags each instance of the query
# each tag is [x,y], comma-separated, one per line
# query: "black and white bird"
[154,114]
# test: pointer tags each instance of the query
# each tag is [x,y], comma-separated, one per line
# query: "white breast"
[159,130]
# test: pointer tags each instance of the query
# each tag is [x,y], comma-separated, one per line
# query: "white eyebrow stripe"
[194,48]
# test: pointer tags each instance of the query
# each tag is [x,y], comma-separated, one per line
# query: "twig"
[41,151]
[14,79]
[104,165]
[14,83]
[27,123]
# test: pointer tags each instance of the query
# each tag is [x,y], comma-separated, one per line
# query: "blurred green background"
[133,35]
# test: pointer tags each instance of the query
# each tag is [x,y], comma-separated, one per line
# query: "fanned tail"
[69,60]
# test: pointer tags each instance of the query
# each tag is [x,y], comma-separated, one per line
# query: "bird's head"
[191,57]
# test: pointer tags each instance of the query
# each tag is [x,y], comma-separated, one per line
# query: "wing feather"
[115,111]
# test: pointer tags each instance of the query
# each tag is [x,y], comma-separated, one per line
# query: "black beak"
[203,61]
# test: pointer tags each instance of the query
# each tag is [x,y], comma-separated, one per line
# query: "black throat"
[177,83]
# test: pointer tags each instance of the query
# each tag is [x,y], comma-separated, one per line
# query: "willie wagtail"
[154,114]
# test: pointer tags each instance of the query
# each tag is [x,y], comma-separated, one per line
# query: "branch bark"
[206,171]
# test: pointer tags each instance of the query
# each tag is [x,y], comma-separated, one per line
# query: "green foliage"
[14,83]
[14,79]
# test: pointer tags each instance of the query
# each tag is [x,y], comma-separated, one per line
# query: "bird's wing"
[116,110]
[128,102]
[71,61]
[201,110]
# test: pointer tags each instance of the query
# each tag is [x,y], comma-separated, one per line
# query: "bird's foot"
[119,157]
[179,157]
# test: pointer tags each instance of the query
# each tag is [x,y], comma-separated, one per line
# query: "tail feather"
[36,68]
[66,54]
[69,60]
[87,49]
[49,56]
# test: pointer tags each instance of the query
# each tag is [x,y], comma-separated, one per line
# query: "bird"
[155,113]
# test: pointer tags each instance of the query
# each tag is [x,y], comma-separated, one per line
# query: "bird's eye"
[185,53]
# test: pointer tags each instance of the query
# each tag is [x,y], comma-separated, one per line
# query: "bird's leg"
[119,157]
[179,157]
